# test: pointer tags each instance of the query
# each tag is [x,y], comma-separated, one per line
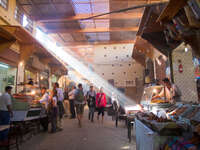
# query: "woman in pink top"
[101,103]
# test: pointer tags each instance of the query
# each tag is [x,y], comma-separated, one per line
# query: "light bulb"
[186,49]
[21,63]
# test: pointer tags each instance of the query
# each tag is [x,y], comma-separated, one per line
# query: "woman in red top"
[101,103]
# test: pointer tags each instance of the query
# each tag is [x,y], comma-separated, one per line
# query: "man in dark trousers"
[91,100]
[71,101]
[60,98]
[44,100]
[79,103]
[5,113]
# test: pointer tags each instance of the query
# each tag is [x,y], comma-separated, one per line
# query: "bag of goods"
[196,116]
[179,111]
[167,128]
[197,129]
[193,113]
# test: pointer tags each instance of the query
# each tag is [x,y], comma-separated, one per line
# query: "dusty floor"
[92,136]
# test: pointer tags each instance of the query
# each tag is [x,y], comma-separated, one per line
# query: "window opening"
[23,19]
[27,23]
[4,3]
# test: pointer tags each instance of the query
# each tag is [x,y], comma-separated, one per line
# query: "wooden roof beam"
[73,44]
[58,18]
[171,9]
[92,30]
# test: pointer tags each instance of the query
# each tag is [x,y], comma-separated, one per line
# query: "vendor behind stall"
[170,91]
[30,82]
[5,112]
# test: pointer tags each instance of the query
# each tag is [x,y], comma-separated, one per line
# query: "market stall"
[163,125]
[24,107]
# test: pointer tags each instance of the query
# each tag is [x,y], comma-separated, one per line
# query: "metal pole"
[126,9]
[171,66]
[16,80]
[154,68]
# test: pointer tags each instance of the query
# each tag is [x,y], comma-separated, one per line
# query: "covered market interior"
[140,57]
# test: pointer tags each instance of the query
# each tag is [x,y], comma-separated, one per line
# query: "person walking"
[5,113]
[71,102]
[53,110]
[101,104]
[91,101]
[60,98]
[79,104]
[66,103]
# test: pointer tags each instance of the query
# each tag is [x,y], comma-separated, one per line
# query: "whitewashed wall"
[185,80]
[115,62]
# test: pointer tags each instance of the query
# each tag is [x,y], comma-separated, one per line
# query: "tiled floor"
[93,136]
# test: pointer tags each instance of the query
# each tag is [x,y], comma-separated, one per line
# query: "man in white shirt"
[45,97]
[60,96]
[170,91]
[44,100]
[5,112]
[71,95]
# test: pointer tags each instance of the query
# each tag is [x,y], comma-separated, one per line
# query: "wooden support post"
[50,79]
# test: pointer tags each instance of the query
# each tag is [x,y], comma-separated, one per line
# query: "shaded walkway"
[92,136]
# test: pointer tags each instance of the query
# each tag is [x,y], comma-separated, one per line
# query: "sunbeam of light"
[67,59]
